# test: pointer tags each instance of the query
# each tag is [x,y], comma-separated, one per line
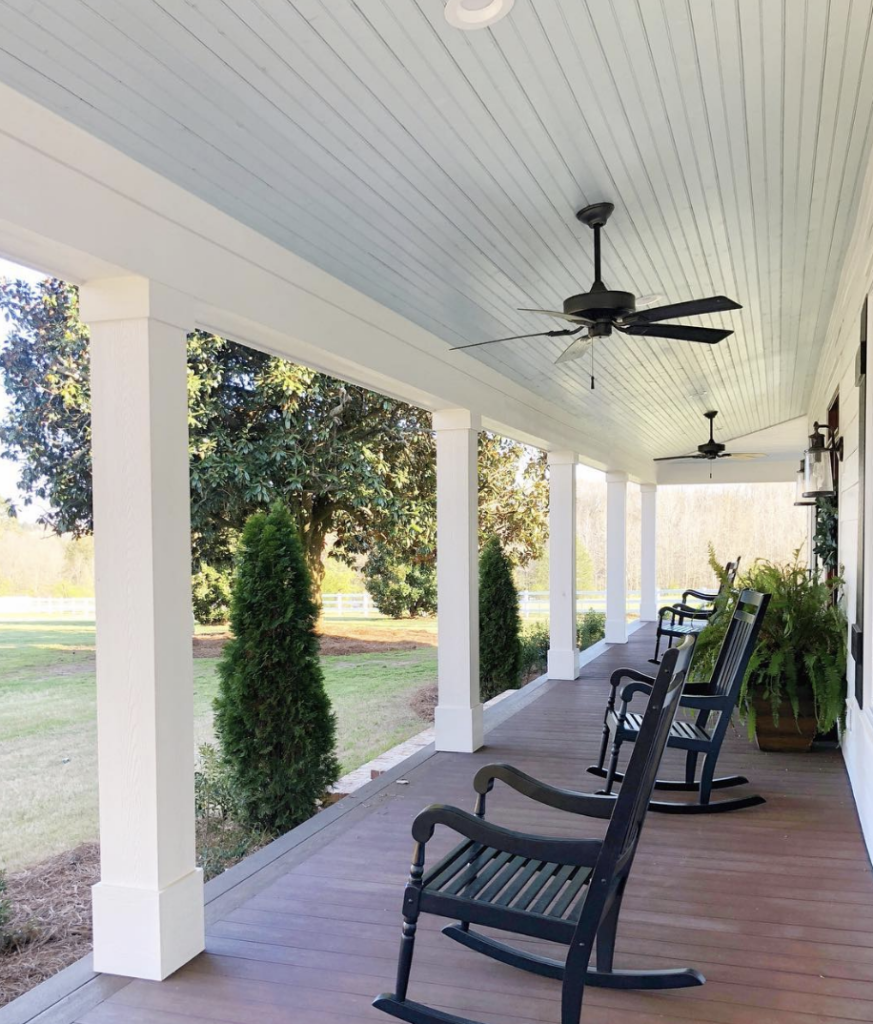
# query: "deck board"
[773,904]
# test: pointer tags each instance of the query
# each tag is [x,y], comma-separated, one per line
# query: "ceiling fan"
[599,311]
[712,449]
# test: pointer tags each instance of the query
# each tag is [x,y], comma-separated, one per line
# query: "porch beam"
[616,558]
[648,552]
[148,905]
[563,660]
[458,716]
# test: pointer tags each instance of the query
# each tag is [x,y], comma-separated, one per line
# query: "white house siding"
[836,374]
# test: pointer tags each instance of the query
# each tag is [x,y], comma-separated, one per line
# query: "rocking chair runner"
[681,619]
[718,697]
[567,891]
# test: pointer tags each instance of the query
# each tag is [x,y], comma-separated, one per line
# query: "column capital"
[456,419]
[562,458]
[614,476]
[135,298]
[648,488]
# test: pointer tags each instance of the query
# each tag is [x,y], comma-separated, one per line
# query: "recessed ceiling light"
[472,14]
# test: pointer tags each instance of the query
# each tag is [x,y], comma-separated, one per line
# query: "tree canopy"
[347,463]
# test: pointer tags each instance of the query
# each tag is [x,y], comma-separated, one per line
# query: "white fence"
[75,607]
[531,603]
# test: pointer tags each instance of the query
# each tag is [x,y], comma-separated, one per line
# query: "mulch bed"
[340,638]
[51,915]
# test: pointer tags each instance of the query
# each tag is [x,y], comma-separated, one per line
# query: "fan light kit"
[712,449]
[473,14]
[600,310]
[818,466]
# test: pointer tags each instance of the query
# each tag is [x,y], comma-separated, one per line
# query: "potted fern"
[795,685]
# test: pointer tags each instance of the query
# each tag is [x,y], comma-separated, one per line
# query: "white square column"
[648,552]
[458,716]
[616,558]
[563,661]
[148,905]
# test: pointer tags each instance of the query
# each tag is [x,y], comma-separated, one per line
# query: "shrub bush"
[400,586]
[499,623]
[590,628]
[534,649]
[210,595]
[272,715]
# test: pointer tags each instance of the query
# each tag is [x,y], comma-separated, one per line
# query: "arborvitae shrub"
[499,623]
[272,714]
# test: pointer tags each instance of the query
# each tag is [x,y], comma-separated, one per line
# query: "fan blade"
[694,307]
[518,337]
[678,332]
[554,312]
[575,350]
[675,458]
[742,455]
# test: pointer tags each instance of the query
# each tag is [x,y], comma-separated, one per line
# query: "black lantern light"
[818,467]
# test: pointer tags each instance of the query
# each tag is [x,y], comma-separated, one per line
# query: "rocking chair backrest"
[738,645]
[620,844]
[730,574]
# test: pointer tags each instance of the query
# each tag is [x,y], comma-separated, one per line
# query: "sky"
[9,470]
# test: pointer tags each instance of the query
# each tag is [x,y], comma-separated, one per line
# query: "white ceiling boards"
[438,171]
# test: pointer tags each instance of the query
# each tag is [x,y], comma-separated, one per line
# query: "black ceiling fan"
[712,449]
[600,310]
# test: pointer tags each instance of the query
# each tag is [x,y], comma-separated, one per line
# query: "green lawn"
[48,777]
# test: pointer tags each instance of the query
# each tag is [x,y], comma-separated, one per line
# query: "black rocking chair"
[716,698]
[681,619]
[567,891]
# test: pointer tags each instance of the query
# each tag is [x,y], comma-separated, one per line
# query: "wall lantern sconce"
[818,465]
[799,485]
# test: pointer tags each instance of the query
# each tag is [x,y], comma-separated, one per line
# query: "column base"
[459,729]
[563,664]
[649,614]
[144,933]
[616,631]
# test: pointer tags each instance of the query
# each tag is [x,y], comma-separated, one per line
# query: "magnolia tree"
[347,463]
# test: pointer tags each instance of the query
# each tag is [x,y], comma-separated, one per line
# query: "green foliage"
[223,837]
[590,627]
[272,715]
[534,649]
[341,578]
[210,595]
[826,540]
[499,623]
[801,650]
[401,586]
[584,568]
[346,462]
[5,906]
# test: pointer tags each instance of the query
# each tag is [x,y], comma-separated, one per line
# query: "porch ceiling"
[438,171]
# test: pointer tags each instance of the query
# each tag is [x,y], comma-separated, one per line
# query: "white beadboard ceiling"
[439,171]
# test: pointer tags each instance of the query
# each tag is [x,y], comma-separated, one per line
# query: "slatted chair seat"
[566,891]
[682,732]
[714,702]
[490,876]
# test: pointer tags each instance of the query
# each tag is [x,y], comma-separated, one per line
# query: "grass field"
[48,773]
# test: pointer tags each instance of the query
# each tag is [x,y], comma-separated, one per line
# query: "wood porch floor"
[773,904]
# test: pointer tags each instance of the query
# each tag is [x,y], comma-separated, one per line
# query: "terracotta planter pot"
[791,734]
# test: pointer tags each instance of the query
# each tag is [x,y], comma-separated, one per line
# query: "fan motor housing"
[711,449]
[600,305]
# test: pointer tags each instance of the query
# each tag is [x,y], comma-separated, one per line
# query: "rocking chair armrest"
[701,595]
[627,693]
[685,611]
[564,799]
[712,702]
[581,852]
[629,673]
